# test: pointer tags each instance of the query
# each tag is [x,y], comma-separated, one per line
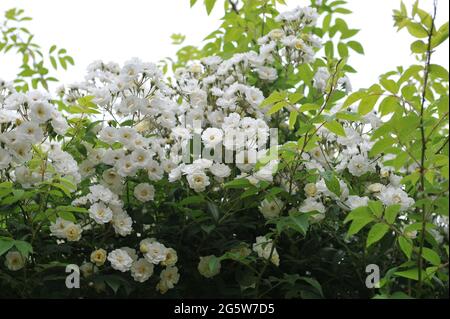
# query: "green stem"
[421,192]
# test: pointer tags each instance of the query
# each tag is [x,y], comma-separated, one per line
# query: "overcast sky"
[114,30]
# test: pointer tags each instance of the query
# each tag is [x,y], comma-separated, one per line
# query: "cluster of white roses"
[126,259]
[28,119]
[345,154]
[106,207]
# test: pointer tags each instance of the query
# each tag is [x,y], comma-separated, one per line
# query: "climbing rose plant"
[138,175]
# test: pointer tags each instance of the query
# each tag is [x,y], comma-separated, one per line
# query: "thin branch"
[234,6]
[424,148]
[442,147]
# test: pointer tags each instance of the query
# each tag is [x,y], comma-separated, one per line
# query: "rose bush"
[245,168]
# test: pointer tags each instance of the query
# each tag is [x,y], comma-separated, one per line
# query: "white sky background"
[113,30]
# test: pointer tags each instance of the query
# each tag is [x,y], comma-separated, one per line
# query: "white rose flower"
[267,73]
[311,205]
[88,269]
[375,188]
[144,192]
[31,131]
[73,232]
[359,165]
[356,201]
[111,177]
[321,79]
[131,252]
[311,190]
[141,270]
[98,257]
[169,278]
[59,124]
[254,96]
[171,257]
[100,193]
[126,167]
[198,181]
[271,208]
[155,252]
[58,227]
[212,137]
[100,213]
[220,170]
[393,195]
[141,157]
[122,224]
[40,112]
[154,170]
[120,260]
[126,135]
[14,261]
[108,135]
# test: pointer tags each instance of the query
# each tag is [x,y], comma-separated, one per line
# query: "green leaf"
[213,264]
[214,210]
[406,246]
[292,119]
[238,183]
[314,283]
[332,183]
[410,274]
[295,97]
[389,85]
[113,282]
[209,5]
[335,127]
[191,200]
[358,224]
[440,36]
[431,256]
[359,212]
[417,30]
[381,146]
[342,50]
[376,207]
[326,23]
[368,103]
[273,98]
[23,247]
[418,47]
[71,209]
[67,216]
[391,213]
[300,222]
[343,11]
[354,97]
[439,71]
[389,105]
[5,245]
[376,233]
[278,106]
[329,49]
[309,107]
[53,63]
[356,46]
[14,198]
